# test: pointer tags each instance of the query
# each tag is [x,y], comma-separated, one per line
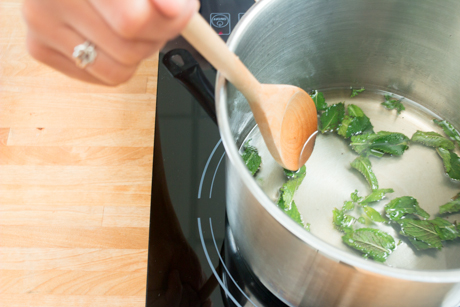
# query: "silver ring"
[84,54]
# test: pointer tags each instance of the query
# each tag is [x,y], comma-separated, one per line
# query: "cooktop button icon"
[221,23]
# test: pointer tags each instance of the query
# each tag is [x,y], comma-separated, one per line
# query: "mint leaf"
[355,111]
[454,172]
[294,214]
[354,125]
[449,130]
[423,231]
[363,165]
[356,122]
[432,139]
[348,205]
[332,117]
[251,158]
[342,221]
[373,214]
[450,207]
[445,155]
[371,242]
[289,187]
[451,162]
[392,104]
[318,99]
[356,92]
[377,144]
[286,200]
[295,174]
[445,229]
[362,143]
[399,207]
[376,195]
[392,143]
[354,197]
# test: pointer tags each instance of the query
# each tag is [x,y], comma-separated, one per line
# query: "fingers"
[56,60]
[125,32]
[89,24]
[63,39]
[146,19]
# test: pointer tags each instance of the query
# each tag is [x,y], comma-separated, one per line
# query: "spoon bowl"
[285,114]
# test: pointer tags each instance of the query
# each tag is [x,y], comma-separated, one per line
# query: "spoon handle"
[208,43]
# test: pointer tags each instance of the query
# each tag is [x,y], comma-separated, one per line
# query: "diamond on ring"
[84,54]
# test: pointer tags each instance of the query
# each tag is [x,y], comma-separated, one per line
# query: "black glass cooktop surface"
[189,241]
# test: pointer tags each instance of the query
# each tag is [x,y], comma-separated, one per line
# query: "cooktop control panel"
[223,15]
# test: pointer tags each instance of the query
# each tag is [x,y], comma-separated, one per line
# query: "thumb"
[173,8]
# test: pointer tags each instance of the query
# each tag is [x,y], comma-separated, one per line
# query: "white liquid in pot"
[330,180]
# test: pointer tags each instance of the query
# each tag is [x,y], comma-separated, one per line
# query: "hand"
[125,32]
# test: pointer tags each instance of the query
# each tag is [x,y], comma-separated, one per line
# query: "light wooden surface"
[75,180]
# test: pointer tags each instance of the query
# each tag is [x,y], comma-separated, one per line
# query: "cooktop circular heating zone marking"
[221,283]
[200,188]
[219,280]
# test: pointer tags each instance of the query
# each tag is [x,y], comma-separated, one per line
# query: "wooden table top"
[75,181]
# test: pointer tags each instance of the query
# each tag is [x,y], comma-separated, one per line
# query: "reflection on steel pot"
[410,48]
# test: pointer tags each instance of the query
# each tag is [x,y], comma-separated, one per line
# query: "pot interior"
[410,49]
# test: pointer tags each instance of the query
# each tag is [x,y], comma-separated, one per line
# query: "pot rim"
[435,276]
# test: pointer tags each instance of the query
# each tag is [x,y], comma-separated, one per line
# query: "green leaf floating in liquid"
[392,104]
[451,162]
[376,195]
[449,130]
[445,156]
[451,207]
[332,117]
[432,139]
[354,197]
[374,214]
[363,165]
[454,172]
[356,122]
[287,191]
[342,221]
[401,206]
[445,229]
[294,214]
[371,242]
[356,92]
[421,230]
[393,143]
[251,158]
[354,125]
[318,99]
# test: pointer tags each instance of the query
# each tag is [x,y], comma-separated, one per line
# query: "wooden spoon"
[285,114]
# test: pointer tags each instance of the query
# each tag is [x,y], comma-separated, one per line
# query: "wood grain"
[43,300]
[75,181]
[74,237]
[76,195]
[72,259]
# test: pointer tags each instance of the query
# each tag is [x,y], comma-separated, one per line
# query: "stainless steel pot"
[407,47]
